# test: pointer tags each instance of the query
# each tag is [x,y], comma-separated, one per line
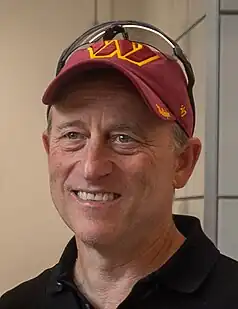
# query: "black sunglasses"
[138,32]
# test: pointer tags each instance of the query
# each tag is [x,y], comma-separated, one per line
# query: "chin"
[95,234]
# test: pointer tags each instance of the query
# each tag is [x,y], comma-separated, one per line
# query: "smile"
[97,196]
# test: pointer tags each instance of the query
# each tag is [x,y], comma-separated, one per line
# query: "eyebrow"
[130,126]
[68,124]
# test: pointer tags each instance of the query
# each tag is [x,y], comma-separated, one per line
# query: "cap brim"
[52,93]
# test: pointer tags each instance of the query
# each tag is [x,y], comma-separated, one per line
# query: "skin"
[105,138]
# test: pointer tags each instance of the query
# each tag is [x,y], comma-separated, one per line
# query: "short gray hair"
[49,120]
[180,138]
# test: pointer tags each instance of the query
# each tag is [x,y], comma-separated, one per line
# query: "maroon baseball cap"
[158,78]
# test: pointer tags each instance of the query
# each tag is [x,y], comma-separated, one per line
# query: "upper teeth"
[96,196]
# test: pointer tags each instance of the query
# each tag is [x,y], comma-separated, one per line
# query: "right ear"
[46,141]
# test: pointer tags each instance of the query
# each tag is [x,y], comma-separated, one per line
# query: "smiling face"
[112,164]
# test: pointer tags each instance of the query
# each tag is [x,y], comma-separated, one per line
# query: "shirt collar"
[63,271]
[191,264]
[184,272]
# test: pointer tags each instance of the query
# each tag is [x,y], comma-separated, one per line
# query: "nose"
[96,163]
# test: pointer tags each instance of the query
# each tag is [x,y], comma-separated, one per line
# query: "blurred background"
[33,35]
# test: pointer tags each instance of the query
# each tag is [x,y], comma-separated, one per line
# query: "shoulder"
[28,294]
[222,282]
[226,268]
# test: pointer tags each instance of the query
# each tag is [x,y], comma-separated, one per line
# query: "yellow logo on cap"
[163,112]
[183,111]
[112,48]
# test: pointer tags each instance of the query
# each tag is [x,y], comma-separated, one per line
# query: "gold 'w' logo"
[130,51]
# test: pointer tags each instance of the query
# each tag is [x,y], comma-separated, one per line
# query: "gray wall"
[221,195]
[227,236]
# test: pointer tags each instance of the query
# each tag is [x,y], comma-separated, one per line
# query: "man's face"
[112,164]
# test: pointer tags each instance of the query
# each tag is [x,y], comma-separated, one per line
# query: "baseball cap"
[158,78]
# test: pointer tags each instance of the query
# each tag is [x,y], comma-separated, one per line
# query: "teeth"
[89,196]
[96,196]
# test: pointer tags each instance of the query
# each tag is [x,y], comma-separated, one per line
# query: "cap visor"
[52,93]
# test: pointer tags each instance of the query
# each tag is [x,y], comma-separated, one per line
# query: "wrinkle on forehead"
[109,85]
[109,93]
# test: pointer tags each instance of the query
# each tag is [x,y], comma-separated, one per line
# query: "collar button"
[59,286]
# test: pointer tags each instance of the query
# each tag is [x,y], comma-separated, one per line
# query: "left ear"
[186,161]
[46,141]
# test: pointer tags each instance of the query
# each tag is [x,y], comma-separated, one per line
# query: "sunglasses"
[135,31]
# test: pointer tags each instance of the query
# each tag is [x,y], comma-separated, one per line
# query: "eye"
[72,135]
[122,139]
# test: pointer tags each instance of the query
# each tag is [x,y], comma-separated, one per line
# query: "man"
[119,143]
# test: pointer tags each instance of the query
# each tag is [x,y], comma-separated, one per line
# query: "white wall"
[33,34]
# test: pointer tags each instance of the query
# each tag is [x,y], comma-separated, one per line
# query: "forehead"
[105,89]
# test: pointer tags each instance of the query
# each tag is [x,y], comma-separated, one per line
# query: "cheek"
[149,173]
[56,171]
[59,164]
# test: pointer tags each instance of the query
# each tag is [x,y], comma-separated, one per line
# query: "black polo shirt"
[196,277]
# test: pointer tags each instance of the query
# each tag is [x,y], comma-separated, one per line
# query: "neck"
[107,277]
